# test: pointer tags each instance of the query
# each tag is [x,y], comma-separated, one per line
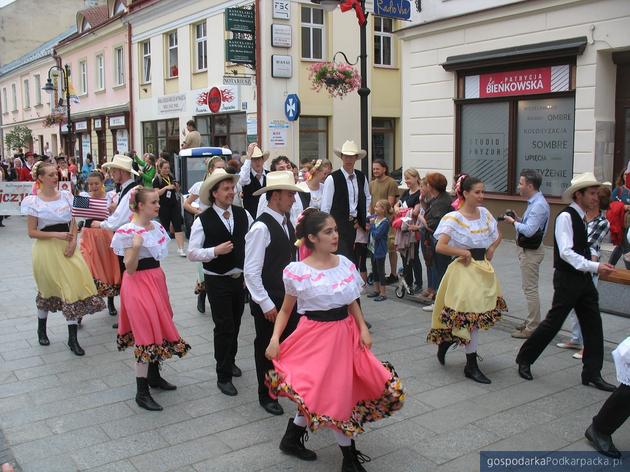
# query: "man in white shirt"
[573,286]
[253,177]
[269,248]
[217,239]
[282,163]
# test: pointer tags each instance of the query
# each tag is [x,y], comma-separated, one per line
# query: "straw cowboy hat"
[257,153]
[121,162]
[280,180]
[579,182]
[217,176]
[350,148]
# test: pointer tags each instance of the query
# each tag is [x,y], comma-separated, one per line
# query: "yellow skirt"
[469,297]
[63,283]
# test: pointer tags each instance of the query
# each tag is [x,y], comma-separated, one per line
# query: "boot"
[292,442]
[472,369]
[201,302]
[41,332]
[442,348]
[111,307]
[143,396]
[349,463]
[155,380]
[73,343]
[359,458]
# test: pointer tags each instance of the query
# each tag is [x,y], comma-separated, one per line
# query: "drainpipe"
[258,70]
[130,86]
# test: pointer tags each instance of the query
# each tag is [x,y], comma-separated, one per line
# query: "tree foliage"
[20,136]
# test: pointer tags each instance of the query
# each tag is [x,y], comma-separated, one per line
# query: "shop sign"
[214,99]
[86,146]
[231,80]
[117,121]
[398,9]
[518,82]
[240,51]
[122,141]
[80,126]
[281,36]
[98,123]
[278,134]
[239,19]
[281,66]
[228,97]
[171,104]
[281,10]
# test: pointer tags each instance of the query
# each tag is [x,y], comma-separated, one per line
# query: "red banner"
[516,82]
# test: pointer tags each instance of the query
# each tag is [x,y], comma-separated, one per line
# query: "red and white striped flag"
[91,208]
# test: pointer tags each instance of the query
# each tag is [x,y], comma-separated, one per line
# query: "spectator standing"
[146,167]
[170,208]
[621,193]
[192,138]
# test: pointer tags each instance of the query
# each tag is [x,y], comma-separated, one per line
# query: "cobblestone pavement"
[62,413]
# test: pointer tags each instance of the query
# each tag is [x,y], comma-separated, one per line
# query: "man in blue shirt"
[535,219]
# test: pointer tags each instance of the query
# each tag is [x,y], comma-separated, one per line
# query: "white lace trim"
[621,355]
[155,242]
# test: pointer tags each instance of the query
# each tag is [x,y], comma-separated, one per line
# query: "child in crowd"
[379,229]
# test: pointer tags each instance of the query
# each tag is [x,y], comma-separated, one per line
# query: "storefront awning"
[530,52]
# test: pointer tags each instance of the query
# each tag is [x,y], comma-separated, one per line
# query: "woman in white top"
[314,182]
[469,296]
[63,279]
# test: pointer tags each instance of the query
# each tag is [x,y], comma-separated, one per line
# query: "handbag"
[531,242]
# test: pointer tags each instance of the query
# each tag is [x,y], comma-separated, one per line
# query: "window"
[100,72]
[510,120]
[383,40]
[201,47]
[14,97]
[38,90]
[5,105]
[171,62]
[146,62]
[26,95]
[223,130]
[119,66]
[383,139]
[312,33]
[83,77]
[161,136]
[313,137]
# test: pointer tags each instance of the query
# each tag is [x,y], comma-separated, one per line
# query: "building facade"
[502,85]
[181,56]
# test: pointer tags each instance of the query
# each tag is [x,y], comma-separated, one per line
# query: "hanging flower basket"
[54,119]
[338,79]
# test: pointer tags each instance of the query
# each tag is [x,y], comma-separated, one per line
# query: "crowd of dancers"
[297,252]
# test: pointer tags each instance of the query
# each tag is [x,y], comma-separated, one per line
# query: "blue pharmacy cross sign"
[398,9]
[292,107]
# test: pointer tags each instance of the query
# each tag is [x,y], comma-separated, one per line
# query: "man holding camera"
[530,231]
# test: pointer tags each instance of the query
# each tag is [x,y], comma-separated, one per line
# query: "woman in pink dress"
[146,316]
[325,365]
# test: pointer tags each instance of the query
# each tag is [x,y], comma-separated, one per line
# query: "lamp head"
[328,5]
[48,88]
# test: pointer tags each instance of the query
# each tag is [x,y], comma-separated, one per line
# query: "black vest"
[306,199]
[216,233]
[341,200]
[580,243]
[250,202]
[278,255]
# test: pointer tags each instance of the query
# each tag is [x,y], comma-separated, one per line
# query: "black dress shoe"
[525,372]
[115,326]
[602,442]
[273,407]
[227,388]
[201,302]
[598,383]
[236,372]
[368,324]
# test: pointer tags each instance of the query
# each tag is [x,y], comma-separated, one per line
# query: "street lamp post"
[364,91]
[49,87]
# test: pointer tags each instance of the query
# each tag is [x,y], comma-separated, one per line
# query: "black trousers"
[264,331]
[571,291]
[347,235]
[227,302]
[614,412]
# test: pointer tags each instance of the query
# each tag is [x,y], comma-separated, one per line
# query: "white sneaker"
[181,252]
[428,308]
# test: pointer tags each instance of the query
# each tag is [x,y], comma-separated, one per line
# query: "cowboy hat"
[279,180]
[257,153]
[217,176]
[579,182]
[350,148]
[121,162]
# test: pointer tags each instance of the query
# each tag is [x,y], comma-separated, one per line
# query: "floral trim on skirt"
[153,352]
[391,400]
[107,290]
[457,320]
[71,311]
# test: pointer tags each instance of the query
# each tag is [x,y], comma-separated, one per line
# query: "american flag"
[88,207]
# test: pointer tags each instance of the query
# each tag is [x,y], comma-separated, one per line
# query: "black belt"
[336,314]
[148,263]
[478,253]
[88,223]
[61,227]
